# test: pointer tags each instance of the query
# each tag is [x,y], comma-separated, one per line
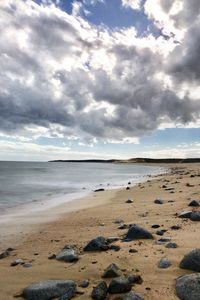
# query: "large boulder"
[136,232]
[191,261]
[100,291]
[50,289]
[67,255]
[97,244]
[188,287]
[119,285]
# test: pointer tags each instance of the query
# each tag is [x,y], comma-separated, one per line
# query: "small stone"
[84,283]
[191,261]
[127,188]
[52,256]
[111,271]
[119,285]
[132,250]
[122,226]
[135,279]
[164,263]
[158,201]
[99,190]
[115,247]
[160,232]
[136,232]
[118,221]
[171,245]
[132,296]
[188,287]
[194,203]
[176,227]
[17,262]
[129,201]
[100,291]
[67,255]
[97,244]
[4,254]
[164,240]
[155,226]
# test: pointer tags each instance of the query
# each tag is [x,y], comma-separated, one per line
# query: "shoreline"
[79,226]
[25,218]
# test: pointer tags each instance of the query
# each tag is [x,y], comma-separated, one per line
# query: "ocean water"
[25,182]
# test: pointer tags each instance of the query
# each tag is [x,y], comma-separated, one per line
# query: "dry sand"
[95,217]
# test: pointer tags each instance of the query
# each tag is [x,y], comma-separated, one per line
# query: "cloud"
[62,76]
[133,4]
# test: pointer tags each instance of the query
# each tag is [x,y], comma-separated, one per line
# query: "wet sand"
[96,218]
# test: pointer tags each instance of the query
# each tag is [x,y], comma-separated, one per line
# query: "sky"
[99,79]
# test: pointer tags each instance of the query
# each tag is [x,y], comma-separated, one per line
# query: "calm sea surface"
[26,182]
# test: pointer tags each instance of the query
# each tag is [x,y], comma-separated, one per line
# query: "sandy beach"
[98,218]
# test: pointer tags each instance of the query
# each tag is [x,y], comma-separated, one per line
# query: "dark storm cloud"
[52,73]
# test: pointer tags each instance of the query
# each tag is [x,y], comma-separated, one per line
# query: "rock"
[132,296]
[195,216]
[115,247]
[171,245]
[122,226]
[193,203]
[164,240]
[68,295]
[27,265]
[164,263]
[97,244]
[136,232]
[17,262]
[127,188]
[176,227]
[118,221]
[185,214]
[4,254]
[100,291]
[129,201]
[188,287]
[111,271]
[84,283]
[155,226]
[99,190]
[161,232]
[119,285]
[132,250]
[46,290]
[135,279]
[158,201]
[191,261]
[52,256]
[67,255]
[112,239]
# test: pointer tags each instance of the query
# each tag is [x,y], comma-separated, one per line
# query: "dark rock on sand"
[68,254]
[161,232]
[136,232]
[84,283]
[49,289]
[155,226]
[97,244]
[158,201]
[164,263]
[112,239]
[195,216]
[188,287]
[185,214]
[52,256]
[17,262]
[115,247]
[100,291]
[4,254]
[122,226]
[194,203]
[132,296]
[111,271]
[119,285]
[129,201]
[99,190]
[164,240]
[132,250]
[171,245]
[135,279]
[191,261]
[27,265]
[176,227]
[127,188]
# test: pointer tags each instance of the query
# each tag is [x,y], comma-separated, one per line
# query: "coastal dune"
[110,216]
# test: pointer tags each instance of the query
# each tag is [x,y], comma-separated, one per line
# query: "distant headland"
[133,160]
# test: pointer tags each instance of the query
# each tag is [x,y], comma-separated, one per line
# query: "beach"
[76,227]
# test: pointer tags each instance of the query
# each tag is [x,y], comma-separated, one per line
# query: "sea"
[58,182]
